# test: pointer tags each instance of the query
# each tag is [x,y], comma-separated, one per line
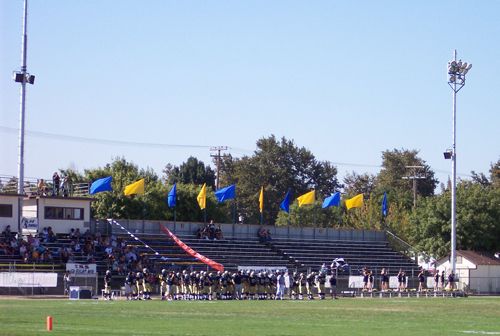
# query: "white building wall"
[478,278]
[64,225]
[486,279]
[12,221]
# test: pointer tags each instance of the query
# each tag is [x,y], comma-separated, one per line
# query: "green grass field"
[347,316]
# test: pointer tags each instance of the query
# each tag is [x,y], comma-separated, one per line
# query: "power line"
[101,141]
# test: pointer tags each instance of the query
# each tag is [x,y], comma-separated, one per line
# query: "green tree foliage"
[192,171]
[394,168]
[355,183]
[310,216]
[478,225]
[495,174]
[187,208]
[116,205]
[278,165]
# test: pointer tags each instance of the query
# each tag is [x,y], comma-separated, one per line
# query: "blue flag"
[172,196]
[100,185]
[226,193]
[285,204]
[384,205]
[333,200]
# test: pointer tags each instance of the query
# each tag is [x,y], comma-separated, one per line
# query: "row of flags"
[229,192]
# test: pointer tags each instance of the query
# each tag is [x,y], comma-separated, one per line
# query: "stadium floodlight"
[456,80]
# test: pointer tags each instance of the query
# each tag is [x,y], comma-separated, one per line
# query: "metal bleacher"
[374,255]
[299,254]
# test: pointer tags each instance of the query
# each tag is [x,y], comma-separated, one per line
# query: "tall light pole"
[22,77]
[456,80]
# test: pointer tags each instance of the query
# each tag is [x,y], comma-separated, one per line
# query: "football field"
[346,316]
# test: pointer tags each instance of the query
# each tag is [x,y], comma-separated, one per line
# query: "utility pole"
[22,76]
[217,157]
[415,177]
[456,80]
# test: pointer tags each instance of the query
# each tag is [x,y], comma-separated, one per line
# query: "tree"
[187,208]
[279,166]
[355,183]
[394,168]
[114,204]
[495,174]
[478,220]
[192,171]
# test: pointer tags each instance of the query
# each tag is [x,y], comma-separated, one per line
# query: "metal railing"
[8,185]
[401,246]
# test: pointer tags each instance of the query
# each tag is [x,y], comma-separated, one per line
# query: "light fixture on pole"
[456,80]
[22,76]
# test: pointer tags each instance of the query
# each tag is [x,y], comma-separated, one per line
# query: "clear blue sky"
[346,79]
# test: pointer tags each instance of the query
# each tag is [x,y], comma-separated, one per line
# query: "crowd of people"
[441,282]
[240,285]
[210,232]
[60,186]
[31,249]
[264,235]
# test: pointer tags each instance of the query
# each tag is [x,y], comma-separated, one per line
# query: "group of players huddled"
[240,285]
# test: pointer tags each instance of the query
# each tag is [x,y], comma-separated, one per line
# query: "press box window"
[5,210]
[63,213]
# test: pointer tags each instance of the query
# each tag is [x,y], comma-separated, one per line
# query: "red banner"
[192,252]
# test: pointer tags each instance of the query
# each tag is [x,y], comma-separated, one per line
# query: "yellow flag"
[355,202]
[135,188]
[261,200]
[307,198]
[202,197]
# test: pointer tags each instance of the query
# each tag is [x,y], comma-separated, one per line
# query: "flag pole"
[261,218]
[205,215]
[234,211]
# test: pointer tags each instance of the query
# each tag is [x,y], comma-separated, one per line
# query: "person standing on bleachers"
[56,182]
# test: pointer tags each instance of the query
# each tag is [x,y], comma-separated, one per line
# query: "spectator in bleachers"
[52,238]
[7,234]
[42,188]
[209,231]
[77,233]
[72,233]
[22,249]
[264,235]
[65,180]
[218,233]
[56,180]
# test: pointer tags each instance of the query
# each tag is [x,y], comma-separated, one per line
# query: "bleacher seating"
[297,254]
[374,255]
